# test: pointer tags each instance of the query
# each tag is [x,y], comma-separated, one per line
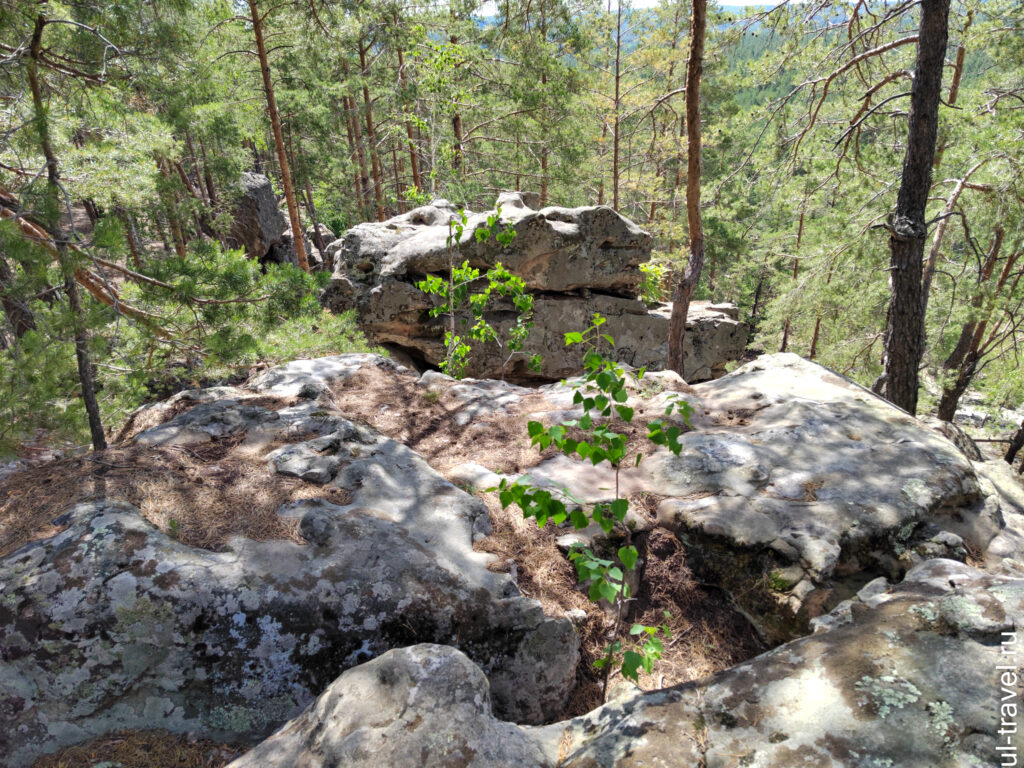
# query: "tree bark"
[1016,443]
[615,125]
[129,234]
[978,346]
[796,274]
[413,159]
[695,262]
[371,137]
[92,409]
[211,189]
[963,345]
[275,124]
[904,329]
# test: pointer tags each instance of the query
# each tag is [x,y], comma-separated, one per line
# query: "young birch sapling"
[602,395]
[457,294]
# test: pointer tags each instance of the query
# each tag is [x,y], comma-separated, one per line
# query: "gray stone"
[110,620]
[794,474]
[909,683]
[426,706]
[257,222]
[579,260]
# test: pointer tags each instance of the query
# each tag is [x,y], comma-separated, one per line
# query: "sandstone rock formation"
[834,522]
[577,261]
[796,486]
[902,675]
[111,624]
[262,229]
[257,222]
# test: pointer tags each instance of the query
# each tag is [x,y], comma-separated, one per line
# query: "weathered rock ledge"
[577,261]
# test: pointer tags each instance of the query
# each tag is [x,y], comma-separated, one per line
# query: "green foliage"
[603,396]
[457,294]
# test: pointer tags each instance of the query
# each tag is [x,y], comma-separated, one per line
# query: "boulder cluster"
[882,566]
[576,262]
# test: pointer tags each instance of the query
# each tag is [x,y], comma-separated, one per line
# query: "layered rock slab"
[112,625]
[577,261]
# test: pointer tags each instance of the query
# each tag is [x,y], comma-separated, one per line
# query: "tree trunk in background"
[615,122]
[695,262]
[1016,443]
[796,274]
[978,346]
[904,330]
[371,136]
[413,159]
[129,235]
[92,409]
[211,190]
[19,316]
[275,124]
[954,85]
[173,222]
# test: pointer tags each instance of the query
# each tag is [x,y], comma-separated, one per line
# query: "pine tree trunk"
[1016,443]
[413,159]
[695,262]
[92,409]
[977,345]
[904,329]
[371,137]
[211,190]
[796,274]
[615,126]
[963,345]
[129,235]
[275,124]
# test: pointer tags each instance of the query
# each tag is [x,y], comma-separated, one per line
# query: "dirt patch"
[708,635]
[143,749]
[201,495]
[425,420]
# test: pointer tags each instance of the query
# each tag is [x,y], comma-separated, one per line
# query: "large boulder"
[911,679]
[257,221]
[111,624]
[909,675]
[796,486]
[578,261]
[427,706]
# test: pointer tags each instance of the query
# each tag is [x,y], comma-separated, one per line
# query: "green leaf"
[573,338]
[625,412]
[619,508]
[628,556]
[631,662]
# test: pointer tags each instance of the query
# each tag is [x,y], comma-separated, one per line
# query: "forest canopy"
[127,126]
